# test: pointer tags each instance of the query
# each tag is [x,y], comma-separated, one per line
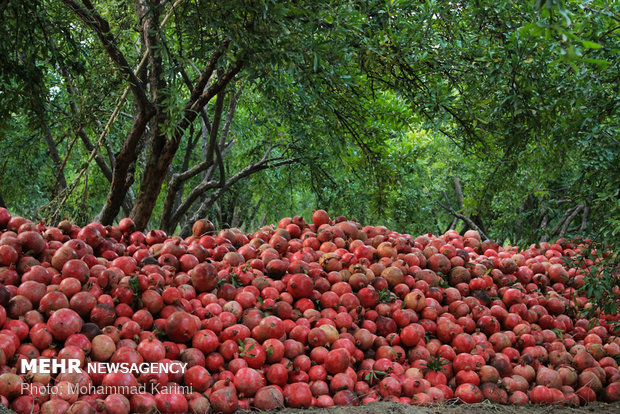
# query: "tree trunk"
[161,150]
[162,153]
[174,203]
[2,203]
[129,152]
[154,173]
[120,185]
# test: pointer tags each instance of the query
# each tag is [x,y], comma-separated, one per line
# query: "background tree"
[425,116]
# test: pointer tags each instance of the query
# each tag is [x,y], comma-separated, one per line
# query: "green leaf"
[590,45]
[598,62]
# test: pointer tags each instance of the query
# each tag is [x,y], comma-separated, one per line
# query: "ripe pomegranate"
[297,395]
[299,315]
[468,393]
[269,398]
[171,402]
[224,400]
[180,327]
[63,323]
[248,381]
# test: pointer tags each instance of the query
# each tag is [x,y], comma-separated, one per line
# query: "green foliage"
[382,103]
[600,264]
[524,105]
[435,364]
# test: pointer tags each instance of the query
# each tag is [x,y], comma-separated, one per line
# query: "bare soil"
[447,408]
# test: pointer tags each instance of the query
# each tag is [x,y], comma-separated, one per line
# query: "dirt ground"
[482,408]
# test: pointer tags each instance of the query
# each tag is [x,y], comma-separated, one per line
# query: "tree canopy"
[500,116]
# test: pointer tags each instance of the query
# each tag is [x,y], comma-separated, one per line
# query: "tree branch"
[584,220]
[191,145]
[519,230]
[191,198]
[168,219]
[61,183]
[140,73]
[196,103]
[215,125]
[558,226]
[570,218]
[544,223]
[119,183]
[73,92]
[206,184]
[230,114]
[61,168]
[260,165]
[149,15]
[459,193]
[87,13]
[218,193]
[452,225]
[467,220]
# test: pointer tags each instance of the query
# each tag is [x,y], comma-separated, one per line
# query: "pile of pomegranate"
[298,315]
